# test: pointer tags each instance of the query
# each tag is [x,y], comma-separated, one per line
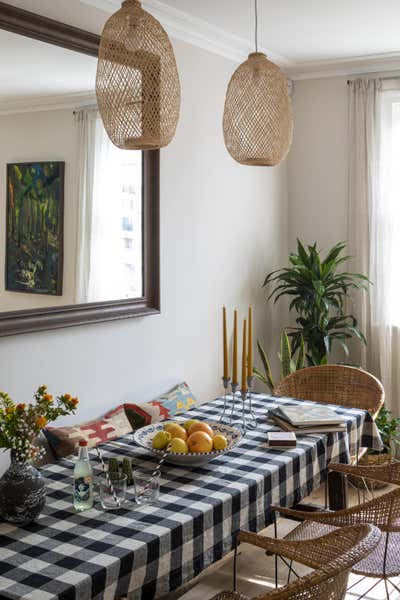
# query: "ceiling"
[307,37]
[307,30]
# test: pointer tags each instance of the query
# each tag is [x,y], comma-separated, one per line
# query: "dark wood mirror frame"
[54,32]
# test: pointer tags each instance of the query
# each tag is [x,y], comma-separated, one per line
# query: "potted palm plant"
[318,288]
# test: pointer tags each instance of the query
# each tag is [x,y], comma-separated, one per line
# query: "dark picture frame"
[30,232]
[47,30]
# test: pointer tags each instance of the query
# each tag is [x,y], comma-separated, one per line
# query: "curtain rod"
[366,77]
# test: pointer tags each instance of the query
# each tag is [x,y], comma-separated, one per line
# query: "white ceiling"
[28,68]
[307,37]
[307,30]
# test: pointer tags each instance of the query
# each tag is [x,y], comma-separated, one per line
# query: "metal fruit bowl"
[144,438]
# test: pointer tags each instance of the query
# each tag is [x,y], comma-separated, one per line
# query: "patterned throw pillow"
[64,440]
[175,402]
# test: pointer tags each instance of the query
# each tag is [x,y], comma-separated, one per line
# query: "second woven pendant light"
[137,85]
[258,119]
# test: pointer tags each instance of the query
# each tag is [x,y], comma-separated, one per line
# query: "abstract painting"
[34,243]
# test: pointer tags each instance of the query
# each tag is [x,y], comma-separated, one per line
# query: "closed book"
[281,439]
[316,429]
[308,415]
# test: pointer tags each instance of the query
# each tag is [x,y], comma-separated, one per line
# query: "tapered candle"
[250,348]
[244,361]
[225,343]
[235,380]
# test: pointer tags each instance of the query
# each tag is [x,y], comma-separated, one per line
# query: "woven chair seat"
[372,565]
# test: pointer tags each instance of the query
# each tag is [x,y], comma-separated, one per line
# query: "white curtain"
[100,272]
[374,227]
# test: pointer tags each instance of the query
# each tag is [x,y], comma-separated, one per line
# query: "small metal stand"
[225,381]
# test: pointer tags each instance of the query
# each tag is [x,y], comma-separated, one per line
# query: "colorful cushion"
[64,440]
[175,402]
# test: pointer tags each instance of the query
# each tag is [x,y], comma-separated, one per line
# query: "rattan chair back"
[334,384]
[383,511]
[332,555]
[385,472]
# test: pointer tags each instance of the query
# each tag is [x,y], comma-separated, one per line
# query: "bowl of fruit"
[189,442]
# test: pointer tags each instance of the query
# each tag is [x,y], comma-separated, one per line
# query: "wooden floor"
[256,571]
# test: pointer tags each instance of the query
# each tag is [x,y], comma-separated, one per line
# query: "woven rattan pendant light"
[258,119]
[137,85]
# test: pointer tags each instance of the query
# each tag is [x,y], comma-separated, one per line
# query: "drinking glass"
[113,490]
[147,486]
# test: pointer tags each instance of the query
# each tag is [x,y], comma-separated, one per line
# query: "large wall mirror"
[79,218]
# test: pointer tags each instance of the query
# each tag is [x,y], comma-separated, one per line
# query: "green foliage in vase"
[318,290]
[288,361]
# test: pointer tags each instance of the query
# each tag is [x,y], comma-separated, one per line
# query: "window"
[388,212]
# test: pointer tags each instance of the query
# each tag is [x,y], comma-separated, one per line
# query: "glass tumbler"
[147,486]
[113,491]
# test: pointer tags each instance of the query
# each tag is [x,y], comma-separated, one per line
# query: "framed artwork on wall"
[34,229]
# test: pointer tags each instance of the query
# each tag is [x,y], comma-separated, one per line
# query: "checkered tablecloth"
[145,552]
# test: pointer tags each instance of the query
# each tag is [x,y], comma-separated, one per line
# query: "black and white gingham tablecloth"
[145,552]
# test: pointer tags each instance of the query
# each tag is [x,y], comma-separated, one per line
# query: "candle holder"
[250,385]
[234,390]
[247,419]
[225,382]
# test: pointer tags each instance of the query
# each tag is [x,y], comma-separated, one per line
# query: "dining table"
[146,551]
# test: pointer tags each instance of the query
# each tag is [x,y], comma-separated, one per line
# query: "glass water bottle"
[83,479]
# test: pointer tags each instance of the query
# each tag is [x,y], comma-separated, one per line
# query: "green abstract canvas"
[34,244]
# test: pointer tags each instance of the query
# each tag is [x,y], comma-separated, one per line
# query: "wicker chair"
[384,512]
[385,472]
[332,556]
[335,384]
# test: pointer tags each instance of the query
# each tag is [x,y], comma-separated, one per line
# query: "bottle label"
[83,488]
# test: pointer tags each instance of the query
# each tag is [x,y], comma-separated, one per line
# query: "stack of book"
[281,440]
[307,418]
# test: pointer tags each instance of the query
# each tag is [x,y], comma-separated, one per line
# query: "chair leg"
[370,589]
[289,573]
[394,585]
[387,590]
[276,556]
[235,565]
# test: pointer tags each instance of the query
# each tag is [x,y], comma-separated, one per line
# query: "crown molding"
[356,65]
[29,104]
[182,26]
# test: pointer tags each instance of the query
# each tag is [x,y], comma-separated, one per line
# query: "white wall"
[35,137]
[223,226]
[317,165]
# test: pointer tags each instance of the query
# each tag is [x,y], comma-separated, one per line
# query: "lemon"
[187,424]
[220,442]
[161,440]
[179,446]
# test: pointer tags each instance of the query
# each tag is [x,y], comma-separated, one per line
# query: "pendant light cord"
[256,23]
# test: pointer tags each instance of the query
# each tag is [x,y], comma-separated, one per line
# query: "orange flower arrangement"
[20,424]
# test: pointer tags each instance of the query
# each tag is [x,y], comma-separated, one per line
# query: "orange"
[201,426]
[176,431]
[200,441]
